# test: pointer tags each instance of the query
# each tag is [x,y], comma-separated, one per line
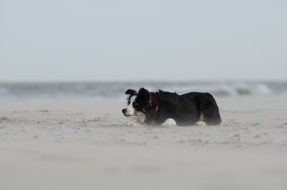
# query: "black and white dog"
[169,109]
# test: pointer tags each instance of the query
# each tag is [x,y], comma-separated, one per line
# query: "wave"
[117,89]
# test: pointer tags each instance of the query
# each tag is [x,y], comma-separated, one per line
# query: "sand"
[88,144]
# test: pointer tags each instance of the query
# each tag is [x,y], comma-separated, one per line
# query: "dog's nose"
[124,111]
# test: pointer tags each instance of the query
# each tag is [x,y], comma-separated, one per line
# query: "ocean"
[59,90]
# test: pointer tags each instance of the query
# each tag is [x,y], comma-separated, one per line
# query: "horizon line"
[143,81]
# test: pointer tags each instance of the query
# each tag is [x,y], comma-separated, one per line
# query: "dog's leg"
[201,122]
[169,123]
[140,117]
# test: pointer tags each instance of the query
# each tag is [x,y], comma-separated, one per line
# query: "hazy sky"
[143,40]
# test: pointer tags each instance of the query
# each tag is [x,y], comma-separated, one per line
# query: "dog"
[170,109]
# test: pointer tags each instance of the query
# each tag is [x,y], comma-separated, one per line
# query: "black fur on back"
[185,109]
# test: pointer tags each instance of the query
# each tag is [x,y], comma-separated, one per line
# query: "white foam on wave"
[263,89]
[117,89]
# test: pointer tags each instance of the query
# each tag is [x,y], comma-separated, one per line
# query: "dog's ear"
[146,95]
[144,91]
[131,92]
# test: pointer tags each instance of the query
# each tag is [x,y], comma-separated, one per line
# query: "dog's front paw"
[169,123]
[134,124]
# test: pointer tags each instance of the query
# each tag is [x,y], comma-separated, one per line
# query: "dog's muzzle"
[124,111]
[127,112]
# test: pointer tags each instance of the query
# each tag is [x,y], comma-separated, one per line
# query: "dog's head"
[138,103]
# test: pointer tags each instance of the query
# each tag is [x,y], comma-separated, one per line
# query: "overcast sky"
[143,40]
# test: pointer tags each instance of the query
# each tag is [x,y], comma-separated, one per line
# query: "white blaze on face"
[138,116]
[130,110]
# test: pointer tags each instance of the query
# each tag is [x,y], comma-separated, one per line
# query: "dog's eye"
[135,104]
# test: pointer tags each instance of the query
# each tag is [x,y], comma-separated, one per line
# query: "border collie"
[170,109]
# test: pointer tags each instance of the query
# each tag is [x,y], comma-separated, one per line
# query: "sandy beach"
[88,144]
[68,69]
